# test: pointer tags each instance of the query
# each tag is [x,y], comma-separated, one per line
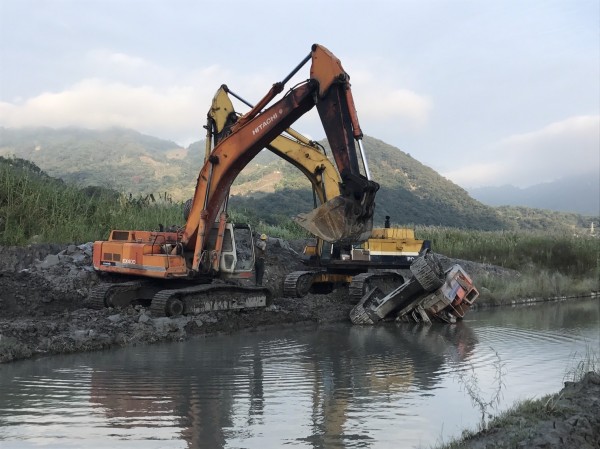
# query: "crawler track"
[96,299]
[298,283]
[191,300]
[207,298]
[120,294]
[361,283]
[428,271]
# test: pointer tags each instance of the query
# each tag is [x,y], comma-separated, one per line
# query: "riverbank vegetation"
[35,207]
[550,264]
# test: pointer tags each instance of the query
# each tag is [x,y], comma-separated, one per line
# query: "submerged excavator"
[200,258]
[361,266]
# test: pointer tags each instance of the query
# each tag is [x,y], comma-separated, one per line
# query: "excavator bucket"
[347,218]
[332,223]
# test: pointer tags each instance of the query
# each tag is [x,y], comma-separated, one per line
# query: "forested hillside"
[410,193]
[268,188]
[121,159]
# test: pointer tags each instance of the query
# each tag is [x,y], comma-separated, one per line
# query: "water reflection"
[332,386]
[211,385]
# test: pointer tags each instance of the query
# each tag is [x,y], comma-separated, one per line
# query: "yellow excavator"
[362,265]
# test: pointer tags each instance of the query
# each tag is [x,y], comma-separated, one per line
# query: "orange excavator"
[200,258]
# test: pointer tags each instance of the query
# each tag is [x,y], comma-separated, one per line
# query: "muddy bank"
[567,420]
[44,291]
[43,298]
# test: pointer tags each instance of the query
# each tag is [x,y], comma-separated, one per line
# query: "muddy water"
[332,386]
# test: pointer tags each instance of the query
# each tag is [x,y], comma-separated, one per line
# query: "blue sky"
[486,92]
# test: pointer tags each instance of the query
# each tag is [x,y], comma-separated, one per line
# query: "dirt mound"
[42,279]
[15,258]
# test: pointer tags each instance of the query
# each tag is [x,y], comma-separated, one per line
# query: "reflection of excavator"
[331,264]
[208,247]
[203,402]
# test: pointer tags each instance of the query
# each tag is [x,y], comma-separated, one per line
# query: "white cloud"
[568,147]
[126,91]
[383,102]
[407,109]
[132,92]
[98,104]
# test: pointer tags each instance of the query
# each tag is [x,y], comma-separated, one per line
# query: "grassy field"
[549,264]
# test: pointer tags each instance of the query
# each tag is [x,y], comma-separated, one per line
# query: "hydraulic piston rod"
[363,156]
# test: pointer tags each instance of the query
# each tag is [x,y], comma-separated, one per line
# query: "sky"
[486,92]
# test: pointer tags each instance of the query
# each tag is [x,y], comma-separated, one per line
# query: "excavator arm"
[328,89]
[306,155]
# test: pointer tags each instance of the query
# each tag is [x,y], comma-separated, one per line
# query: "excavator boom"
[334,220]
[350,217]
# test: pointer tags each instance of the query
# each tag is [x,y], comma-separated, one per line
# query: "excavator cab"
[237,251]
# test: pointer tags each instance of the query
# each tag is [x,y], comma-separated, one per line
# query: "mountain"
[579,194]
[121,159]
[272,189]
[410,193]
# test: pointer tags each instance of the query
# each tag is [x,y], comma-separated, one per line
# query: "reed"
[37,209]
[574,254]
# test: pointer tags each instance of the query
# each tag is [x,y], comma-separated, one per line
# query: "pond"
[391,386]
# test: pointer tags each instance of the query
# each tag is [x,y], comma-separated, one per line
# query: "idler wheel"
[174,307]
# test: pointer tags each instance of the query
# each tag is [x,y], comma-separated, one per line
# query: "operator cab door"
[237,255]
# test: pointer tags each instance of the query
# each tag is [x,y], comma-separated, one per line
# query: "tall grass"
[572,254]
[531,284]
[40,209]
[37,208]
[583,363]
